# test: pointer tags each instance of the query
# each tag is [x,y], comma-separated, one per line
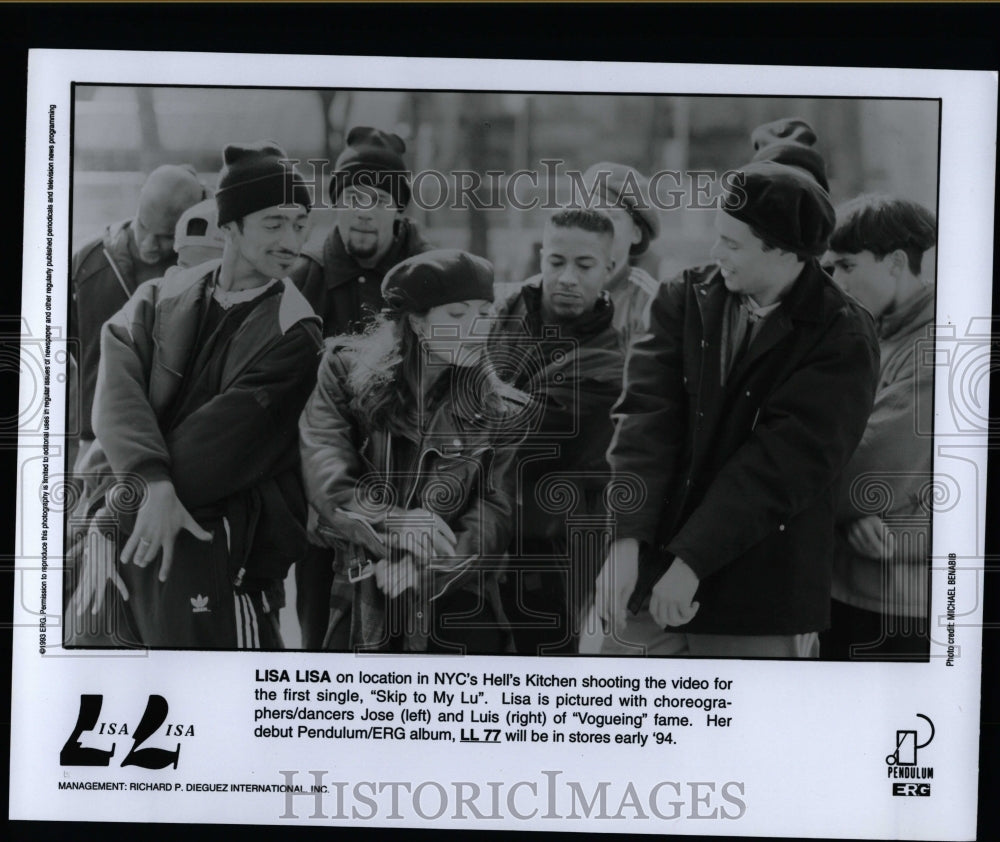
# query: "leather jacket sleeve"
[485,528]
[332,467]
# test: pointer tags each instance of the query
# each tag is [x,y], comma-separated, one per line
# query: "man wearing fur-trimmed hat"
[193,488]
[370,189]
[742,404]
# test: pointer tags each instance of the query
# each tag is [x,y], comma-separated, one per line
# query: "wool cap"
[197,227]
[628,188]
[784,130]
[256,176]
[437,277]
[790,141]
[372,158]
[784,206]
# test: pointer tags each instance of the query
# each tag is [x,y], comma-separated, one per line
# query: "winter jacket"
[343,292]
[574,374]
[458,463]
[893,458]
[631,289]
[103,276]
[740,479]
[231,455]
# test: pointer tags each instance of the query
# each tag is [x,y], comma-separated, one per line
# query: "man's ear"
[898,262]
[416,324]
[636,233]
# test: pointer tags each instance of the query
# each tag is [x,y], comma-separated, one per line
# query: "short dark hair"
[586,219]
[881,224]
[769,245]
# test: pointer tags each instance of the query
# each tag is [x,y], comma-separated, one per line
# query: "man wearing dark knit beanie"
[370,189]
[202,378]
[741,406]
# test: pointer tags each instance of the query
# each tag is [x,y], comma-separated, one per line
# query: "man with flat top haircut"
[555,340]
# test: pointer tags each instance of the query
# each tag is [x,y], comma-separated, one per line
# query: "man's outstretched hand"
[161,518]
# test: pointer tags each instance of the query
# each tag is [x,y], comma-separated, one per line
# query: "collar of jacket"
[189,290]
[917,311]
[120,246]
[621,278]
[803,302]
[340,267]
[118,239]
[584,327]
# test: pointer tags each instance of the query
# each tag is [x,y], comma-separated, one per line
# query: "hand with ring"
[160,520]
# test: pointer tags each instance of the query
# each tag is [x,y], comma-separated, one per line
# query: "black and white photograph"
[437,441]
[506,396]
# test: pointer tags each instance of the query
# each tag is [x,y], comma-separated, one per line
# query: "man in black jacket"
[370,188]
[555,339]
[741,406]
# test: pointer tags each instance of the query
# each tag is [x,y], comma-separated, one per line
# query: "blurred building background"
[122,133]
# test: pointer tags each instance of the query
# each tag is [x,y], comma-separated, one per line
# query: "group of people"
[591,461]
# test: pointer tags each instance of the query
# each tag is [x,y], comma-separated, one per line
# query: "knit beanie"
[254,177]
[437,277]
[783,205]
[790,141]
[372,158]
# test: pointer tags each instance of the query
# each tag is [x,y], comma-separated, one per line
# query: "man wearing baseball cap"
[370,189]
[197,238]
[202,377]
[742,404]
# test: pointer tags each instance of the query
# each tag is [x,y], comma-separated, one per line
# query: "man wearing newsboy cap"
[741,406]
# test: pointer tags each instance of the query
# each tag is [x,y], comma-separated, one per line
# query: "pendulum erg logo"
[902,763]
